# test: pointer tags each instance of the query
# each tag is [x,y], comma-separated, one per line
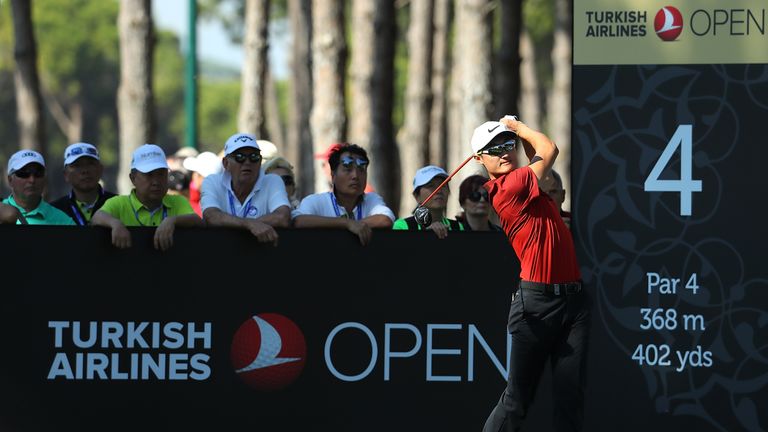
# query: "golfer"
[549,314]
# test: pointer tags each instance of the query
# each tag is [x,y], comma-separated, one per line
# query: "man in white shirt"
[348,206]
[243,196]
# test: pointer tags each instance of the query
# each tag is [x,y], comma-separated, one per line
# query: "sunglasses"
[347,162]
[80,150]
[499,149]
[477,195]
[240,157]
[287,180]
[30,172]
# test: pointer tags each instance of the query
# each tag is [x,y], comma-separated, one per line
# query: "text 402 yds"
[662,355]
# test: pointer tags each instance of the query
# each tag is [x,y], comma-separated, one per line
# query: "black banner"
[668,184]
[221,333]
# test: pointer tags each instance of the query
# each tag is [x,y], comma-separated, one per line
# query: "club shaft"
[446,181]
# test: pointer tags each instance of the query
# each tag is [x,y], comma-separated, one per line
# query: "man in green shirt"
[148,204]
[26,176]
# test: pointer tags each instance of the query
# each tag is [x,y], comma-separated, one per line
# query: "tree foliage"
[78,46]
[231,14]
[8,127]
[168,82]
[218,115]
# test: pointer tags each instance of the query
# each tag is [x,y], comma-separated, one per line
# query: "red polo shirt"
[537,233]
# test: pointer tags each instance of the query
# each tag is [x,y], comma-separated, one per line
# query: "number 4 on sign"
[686,185]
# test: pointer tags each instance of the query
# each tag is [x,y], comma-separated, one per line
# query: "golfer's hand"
[511,122]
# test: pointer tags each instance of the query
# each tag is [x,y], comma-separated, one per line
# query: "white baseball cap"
[426,174]
[238,141]
[268,150]
[277,162]
[486,132]
[22,158]
[148,158]
[186,152]
[77,150]
[205,164]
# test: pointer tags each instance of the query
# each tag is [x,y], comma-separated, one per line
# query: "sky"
[213,44]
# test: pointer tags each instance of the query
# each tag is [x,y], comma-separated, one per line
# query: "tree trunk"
[328,117]
[473,37]
[29,102]
[372,77]
[455,92]
[530,108]
[414,145]
[274,124]
[361,70]
[507,71]
[299,149]
[559,109]
[251,118]
[135,103]
[438,145]
[385,171]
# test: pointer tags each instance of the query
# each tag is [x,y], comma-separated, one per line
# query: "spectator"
[279,166]
[176,160]
[473,199]
[552,184]
[347,206]
[201,166]
[83,171]
[324,156]
[11,215]
[242,196]
[26,177]
[426,180]
[178,183]
[148,204]
[179,177]
[268,151]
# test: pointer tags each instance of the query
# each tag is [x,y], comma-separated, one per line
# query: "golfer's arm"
[541,151]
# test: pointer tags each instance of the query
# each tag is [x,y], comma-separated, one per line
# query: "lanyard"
[76,208]
[151,214]
[246,207]
[338,211]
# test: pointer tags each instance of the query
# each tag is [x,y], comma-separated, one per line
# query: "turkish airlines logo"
[668,23]
[268,352]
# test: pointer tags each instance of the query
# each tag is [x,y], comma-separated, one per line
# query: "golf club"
[421,214]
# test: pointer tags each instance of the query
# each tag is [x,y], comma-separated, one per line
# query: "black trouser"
[545,326]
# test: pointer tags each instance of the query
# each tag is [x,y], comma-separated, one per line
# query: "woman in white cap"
[201,166]
[426,180]
[278,165]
